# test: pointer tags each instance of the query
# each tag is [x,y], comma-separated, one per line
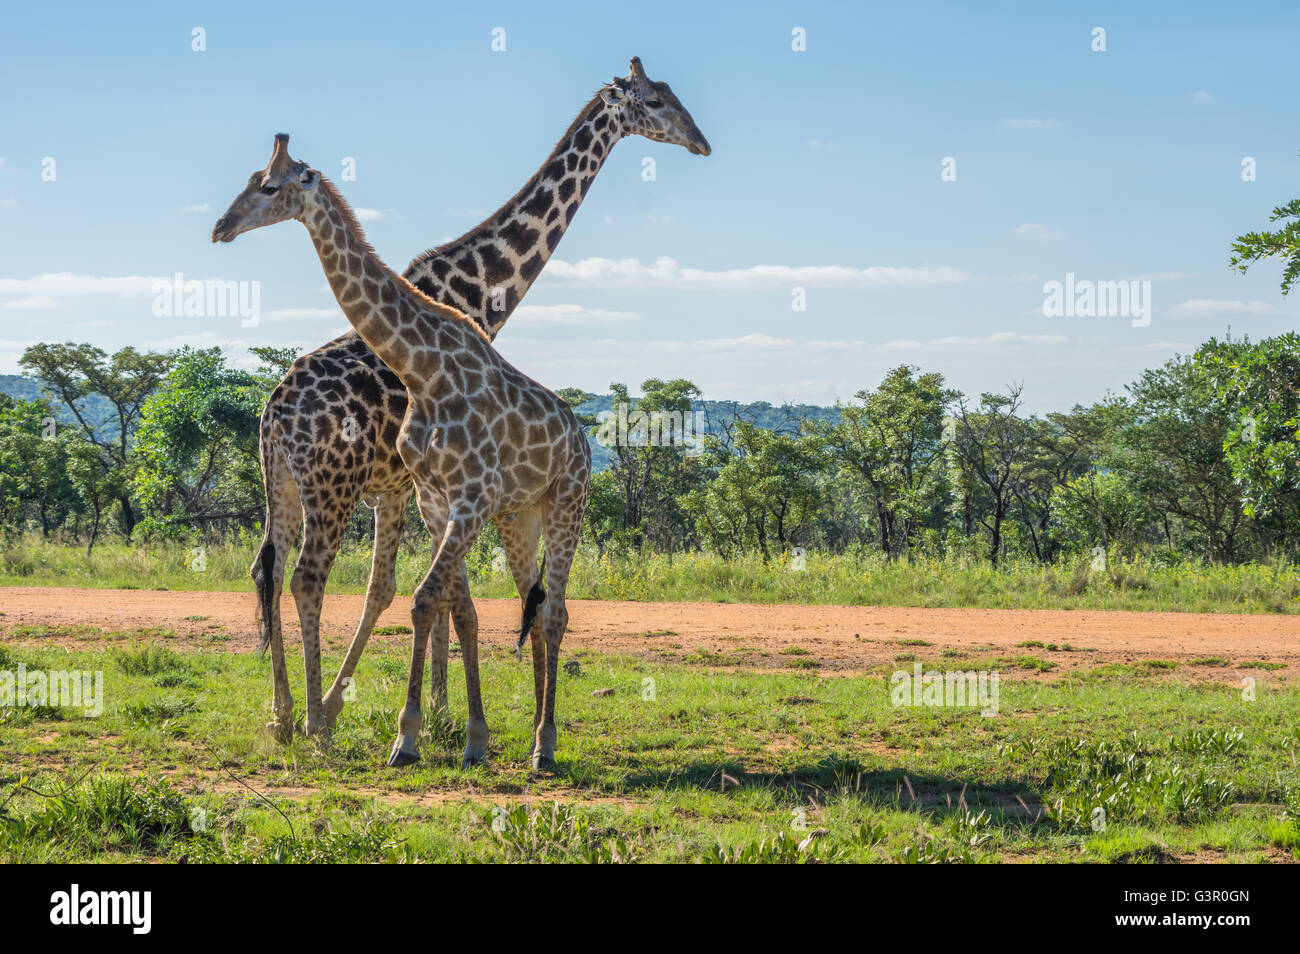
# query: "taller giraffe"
[329,430]
[481,440]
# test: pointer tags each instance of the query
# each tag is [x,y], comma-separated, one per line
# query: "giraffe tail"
[536,596]
[266,591]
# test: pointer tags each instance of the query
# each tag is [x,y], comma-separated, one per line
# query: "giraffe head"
[274,194]
[651,109]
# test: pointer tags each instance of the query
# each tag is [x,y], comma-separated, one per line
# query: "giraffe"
[329,430]
[480,439]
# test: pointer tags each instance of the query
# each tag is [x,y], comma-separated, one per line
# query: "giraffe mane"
[491,220]
[354,226]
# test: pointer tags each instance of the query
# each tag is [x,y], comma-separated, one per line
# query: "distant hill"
[715,413]
[97,409]
[15,385]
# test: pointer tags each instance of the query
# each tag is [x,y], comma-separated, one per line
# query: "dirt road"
[842,640]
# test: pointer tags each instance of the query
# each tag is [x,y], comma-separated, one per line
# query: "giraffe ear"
[309,179]
[613,94]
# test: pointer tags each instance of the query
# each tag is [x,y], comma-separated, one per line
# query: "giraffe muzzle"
[223,232]
[698,146]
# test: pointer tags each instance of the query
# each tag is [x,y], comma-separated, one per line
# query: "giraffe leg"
[439,651]
[433,510]
[466,619]
[323,530]
[433,602]
[283,518]
[563,525]
[405,751]
[519,539]
[390,514]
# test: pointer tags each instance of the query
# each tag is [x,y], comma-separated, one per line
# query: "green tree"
[75,372]
[654,462]
[34,477]
[1099,509]
[98,485]
[1174,452]
[765,493]
[197,445]
[275,364]
[891,444]
[604,516]
[1066,446]
[1283,243]
[1259,385]
[992,450]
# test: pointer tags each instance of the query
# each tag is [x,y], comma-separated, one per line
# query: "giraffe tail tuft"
[536,596]
[266,591]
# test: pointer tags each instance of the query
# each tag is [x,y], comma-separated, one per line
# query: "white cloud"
[666,272]
[30,303]
[203,207]
[10,352]
[1031,123]
[1202,98]
[1210,307]
[55,284]
[997,339]
[1039,233]
[368,215]
[570,315]
[1058,370]
[304,314]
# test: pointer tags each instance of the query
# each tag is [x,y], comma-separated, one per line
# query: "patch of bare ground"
[831,641]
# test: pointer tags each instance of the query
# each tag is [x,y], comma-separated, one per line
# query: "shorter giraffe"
[482,441]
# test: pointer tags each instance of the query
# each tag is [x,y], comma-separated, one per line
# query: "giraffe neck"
[486,271]
[398,323]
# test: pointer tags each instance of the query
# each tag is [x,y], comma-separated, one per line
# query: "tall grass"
[1144,583]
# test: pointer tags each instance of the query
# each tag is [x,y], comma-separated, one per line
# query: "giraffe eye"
[654,103]
[270,190]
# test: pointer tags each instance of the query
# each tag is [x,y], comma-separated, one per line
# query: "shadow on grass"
[941,795]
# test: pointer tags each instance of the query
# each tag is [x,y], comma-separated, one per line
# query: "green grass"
[707,764]
[1146,584]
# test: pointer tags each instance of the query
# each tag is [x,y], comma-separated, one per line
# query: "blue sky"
[825,175]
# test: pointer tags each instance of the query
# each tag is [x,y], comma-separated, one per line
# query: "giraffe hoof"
[543,763]
[282,732]
[400,757]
